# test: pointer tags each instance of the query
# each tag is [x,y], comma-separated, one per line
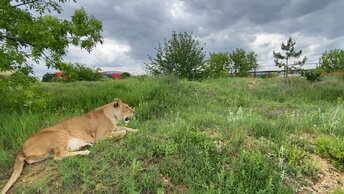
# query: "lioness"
[66,138]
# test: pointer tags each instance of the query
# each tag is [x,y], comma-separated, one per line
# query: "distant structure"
[58,74]
[112,74]
[271,71]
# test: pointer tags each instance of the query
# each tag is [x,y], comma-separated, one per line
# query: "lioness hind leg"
[31,160]
[67,154]
[61,149]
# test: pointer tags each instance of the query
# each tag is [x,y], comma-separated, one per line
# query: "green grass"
[214,136]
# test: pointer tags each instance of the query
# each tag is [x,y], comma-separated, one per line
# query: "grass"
[229,135]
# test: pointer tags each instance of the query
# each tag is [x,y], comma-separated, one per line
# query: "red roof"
[116,75]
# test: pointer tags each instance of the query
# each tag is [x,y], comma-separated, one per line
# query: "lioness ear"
[117,102]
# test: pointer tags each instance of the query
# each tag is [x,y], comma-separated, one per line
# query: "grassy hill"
[230,135]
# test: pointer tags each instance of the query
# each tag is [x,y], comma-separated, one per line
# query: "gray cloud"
[132,29]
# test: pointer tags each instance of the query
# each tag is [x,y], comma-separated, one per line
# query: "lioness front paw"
[132,130]
[85,152]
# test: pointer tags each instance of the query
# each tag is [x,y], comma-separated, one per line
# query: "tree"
[27,33]
[218,65]
[182,56]
[289,51]
[240,62]
[332,60]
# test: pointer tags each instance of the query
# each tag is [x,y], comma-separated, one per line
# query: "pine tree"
[289,51]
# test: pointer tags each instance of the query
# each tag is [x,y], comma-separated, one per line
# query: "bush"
[125,75]
[80,72]
[48,77]
[313,75]
[333,148]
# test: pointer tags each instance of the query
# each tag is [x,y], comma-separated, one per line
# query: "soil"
[33,173]
[328,180]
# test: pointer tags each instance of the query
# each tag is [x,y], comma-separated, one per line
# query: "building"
[112,74]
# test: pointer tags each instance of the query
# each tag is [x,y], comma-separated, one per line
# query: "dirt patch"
[252,83]
[32,174]
[328,180]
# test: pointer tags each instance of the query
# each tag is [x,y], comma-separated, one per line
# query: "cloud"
[109,54]
[133,28]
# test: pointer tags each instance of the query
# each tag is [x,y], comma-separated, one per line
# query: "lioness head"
[122,110]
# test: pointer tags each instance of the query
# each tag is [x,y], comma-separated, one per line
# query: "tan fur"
[77,132]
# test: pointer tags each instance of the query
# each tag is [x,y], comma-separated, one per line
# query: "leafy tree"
[218,65]
[289,51]
[27,33]
[332,60]
[241,62]
[182,56]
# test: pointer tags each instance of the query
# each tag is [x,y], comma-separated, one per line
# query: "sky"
[132,29]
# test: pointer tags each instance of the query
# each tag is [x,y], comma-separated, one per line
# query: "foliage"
[28,33]
[182,56]
[241,62]
[48,77]
[333,148]
[33,101]
[313,75]
[252,173]
[332,60]
[21,77]
[125,75]
[289,52]
[217,65]
[80,72]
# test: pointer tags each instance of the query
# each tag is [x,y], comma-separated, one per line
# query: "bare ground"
[328,179]
[31,174]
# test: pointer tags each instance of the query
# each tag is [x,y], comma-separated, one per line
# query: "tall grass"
[215,136]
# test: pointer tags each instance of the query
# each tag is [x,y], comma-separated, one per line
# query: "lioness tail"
[17,169]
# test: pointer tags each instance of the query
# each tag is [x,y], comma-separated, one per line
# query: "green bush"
[48,77]
[252,173]
[313,75]
[125,75]
[80,72]
[333,148]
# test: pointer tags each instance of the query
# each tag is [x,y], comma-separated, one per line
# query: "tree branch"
[16,39]
[25,3]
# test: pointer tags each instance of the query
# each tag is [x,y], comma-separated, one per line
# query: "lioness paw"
[133,130]
[85,152]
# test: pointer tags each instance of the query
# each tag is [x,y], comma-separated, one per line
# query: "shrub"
[333,148]
[313,75]
[48,77]
[80,72]
[125,75]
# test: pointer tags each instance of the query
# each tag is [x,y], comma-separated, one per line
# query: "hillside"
[230,135]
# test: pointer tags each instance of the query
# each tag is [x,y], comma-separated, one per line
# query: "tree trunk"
[286,69]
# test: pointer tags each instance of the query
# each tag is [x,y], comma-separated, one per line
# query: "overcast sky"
[133,28]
